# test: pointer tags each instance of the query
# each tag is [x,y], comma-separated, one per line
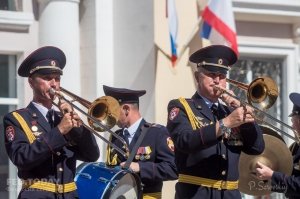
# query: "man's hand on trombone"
[227,97]
[241,114]
[229,100]
[70,118]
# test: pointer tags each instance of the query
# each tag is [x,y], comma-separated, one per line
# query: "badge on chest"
[143,153]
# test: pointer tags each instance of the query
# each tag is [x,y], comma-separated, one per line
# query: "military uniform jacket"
[200,153]
[155,156]
[290,185]
[50,157]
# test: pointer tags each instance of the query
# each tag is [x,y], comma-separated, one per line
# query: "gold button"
[58,153]
[223,172]
[224,156]
[60,169]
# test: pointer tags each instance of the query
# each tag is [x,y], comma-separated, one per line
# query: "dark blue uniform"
[44,154]
[155,157]
[290,185]
[199,154]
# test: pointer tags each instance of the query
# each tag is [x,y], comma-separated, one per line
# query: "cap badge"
[220,61]
[53,63]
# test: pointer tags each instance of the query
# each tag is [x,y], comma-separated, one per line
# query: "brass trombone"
[103,114]
[261,92]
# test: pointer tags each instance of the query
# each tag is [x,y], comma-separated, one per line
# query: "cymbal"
[276,155]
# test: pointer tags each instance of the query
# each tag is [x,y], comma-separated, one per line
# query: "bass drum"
[96,180]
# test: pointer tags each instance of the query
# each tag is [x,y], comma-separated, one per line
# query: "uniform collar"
[41,108]
[133,128]
[208,102]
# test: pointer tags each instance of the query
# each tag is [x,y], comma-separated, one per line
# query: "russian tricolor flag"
[171,14]
[218,24]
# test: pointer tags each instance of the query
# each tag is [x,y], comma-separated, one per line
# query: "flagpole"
[185,45]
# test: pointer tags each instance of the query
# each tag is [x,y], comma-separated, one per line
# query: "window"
[11,5]
[8,102]
[248,69]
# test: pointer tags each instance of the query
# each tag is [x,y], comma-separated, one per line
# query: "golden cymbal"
[276,156]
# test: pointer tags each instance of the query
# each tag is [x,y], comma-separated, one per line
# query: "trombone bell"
[106,109]
[263,91]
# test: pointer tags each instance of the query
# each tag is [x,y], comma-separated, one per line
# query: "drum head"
[96,180]
[128,187]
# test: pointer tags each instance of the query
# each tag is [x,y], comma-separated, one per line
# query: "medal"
[36,133]
[142,157]
[137,157]
[34,128]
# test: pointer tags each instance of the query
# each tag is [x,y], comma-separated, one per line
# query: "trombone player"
[290,185]
[42,143]
[206,159]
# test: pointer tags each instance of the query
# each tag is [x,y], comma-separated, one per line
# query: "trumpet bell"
[262,92]
[105,109]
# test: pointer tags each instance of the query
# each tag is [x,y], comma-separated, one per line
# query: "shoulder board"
[19,111]
[111,137]
[156,125]
[187,99]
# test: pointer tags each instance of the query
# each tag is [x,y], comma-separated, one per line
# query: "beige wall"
[178,81]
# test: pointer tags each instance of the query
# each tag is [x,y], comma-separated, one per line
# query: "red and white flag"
[218,24]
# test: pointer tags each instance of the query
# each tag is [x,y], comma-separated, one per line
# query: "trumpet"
[102,115]
[261,92]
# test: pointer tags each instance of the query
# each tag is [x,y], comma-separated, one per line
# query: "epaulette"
[187,99]
[156,125]
[19,110]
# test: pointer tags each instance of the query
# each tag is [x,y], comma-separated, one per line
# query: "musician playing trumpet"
[290,185]
[44,144]
[209,135]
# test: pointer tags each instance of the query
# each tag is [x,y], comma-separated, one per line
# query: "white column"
[134,58]
[59,26]
[104,73]
[105,43]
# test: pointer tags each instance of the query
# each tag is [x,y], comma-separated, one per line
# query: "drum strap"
[145,128]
